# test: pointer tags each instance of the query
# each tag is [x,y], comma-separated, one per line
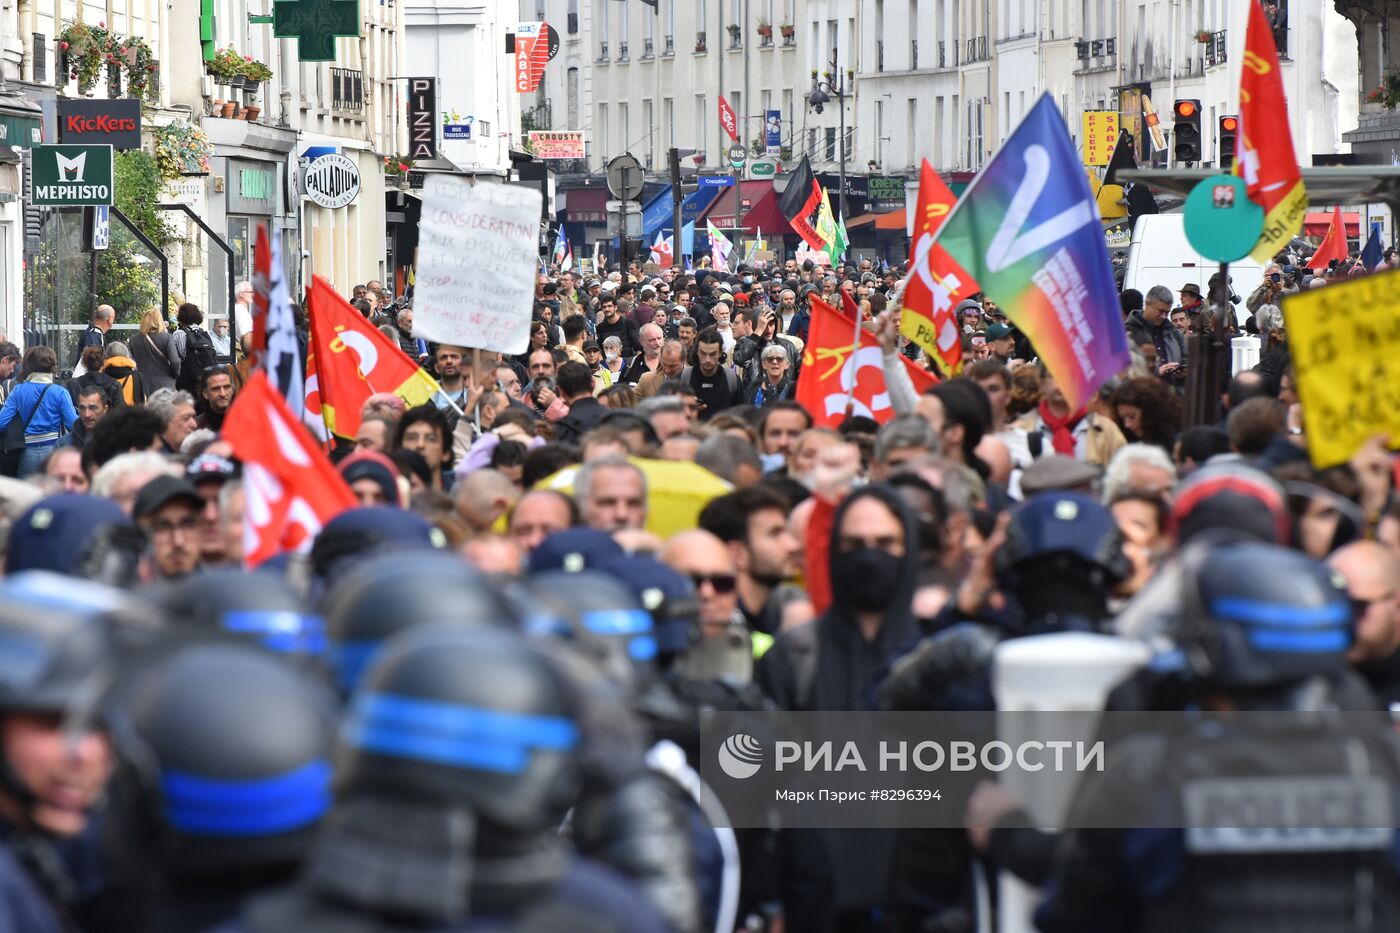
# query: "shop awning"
[888,222]
[587,205]
[19,125]
[760,210]
[1317,223]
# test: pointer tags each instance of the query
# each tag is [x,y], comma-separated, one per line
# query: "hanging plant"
[1387,93]
[225,65]
[255,71]
[181,149]
[140,65]
[87,50]
[397,166]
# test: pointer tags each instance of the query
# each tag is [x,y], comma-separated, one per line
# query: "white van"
[1160,254]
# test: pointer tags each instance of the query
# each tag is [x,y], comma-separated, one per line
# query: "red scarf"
[1061,429]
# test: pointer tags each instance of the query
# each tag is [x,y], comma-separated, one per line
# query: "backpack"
[199,356]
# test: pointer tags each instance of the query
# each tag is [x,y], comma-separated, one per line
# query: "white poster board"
[478,255]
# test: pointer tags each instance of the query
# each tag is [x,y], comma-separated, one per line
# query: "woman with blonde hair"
[148,352]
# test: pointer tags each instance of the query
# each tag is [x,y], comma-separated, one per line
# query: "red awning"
[760,210]
[587,205]
[1317,222]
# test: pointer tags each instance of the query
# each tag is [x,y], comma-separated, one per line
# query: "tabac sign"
[69,176]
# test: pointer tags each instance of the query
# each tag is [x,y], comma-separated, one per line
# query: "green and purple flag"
[1028,231]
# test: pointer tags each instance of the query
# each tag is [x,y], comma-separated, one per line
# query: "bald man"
[483,497]
[725,648]
[1372,574]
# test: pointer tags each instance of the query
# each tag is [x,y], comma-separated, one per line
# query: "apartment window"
[623,118]
[879,129]
[812,141]
[831,144]
[702,120]
[668,113]
[670,26]
[648,114]
[788,113]
[626,26]
[938,159]
[573,18]
[701,17]
[605,142]
[602,20]
[571,93]
[40,59]
[539,9]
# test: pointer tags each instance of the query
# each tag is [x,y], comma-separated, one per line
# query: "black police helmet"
[459,717]
[1063,534]
[233,750]
[388,594]
[605,619]
[1258,615]
[261,607]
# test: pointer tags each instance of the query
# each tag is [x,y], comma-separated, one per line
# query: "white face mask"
[611,356]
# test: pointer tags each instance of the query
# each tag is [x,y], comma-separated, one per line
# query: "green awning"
[20,130]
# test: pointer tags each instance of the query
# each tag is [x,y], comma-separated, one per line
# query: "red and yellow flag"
[1264,155]
[936,282]
[832,375]
[353,361]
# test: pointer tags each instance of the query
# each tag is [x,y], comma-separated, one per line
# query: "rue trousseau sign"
[1345,344]
[478,252]
[71,176]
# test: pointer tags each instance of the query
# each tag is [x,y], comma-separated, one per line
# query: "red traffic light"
[1185,109]
[1229,124]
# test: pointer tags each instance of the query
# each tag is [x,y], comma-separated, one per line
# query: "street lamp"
[824,88]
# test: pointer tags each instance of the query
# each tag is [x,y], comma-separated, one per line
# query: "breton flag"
[291,489]
[1264,155]
[352,360]
[276,350]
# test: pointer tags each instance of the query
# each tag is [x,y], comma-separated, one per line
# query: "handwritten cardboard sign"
[1345,343]
[478,251]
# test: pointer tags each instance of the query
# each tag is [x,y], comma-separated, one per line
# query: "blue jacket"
[51,419]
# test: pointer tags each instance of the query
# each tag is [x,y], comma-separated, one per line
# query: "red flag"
[1334,245]
[344,380]
[1264,154]
[262,279]
[800,203]
[290,488]
[728,119]
[936,282]
[829,370]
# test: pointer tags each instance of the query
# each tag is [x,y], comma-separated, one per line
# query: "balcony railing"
[913,54]
[602,51]
[648,49]
[1215,49]
[879,55]
[700,44]
[736,37]
[670,47]
[347,90]
[976,49]
[942,55]
[622,54]
[790,39]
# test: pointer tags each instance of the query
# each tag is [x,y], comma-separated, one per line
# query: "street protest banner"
[1345,344]
[1028,231]
[478,252]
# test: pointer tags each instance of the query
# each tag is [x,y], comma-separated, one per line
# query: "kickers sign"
[116,123]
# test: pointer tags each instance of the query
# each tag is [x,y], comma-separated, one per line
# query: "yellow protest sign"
[1100,136]
[1345,343]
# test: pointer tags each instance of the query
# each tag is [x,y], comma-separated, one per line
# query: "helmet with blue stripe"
[1257,615]
[232,748]
[260,607]
[388,594]
[605,620]
[450,717]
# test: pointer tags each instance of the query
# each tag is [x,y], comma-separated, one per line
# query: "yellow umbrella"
[677,491]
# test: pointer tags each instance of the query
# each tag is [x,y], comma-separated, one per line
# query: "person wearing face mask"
[834,880]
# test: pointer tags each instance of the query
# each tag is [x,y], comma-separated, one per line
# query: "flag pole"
[855,348]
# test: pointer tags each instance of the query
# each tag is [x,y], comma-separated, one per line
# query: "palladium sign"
[333,180]
[71,176]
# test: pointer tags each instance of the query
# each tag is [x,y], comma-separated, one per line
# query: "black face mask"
[866,578]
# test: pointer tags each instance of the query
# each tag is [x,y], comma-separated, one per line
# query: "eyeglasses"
[723,583]
[165,529]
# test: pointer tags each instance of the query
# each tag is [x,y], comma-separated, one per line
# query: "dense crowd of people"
[473,703]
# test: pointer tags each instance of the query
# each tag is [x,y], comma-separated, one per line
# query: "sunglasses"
[723,583]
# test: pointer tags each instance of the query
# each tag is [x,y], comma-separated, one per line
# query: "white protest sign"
[478,254]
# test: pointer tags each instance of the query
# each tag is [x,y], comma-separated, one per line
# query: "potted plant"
[181,149]
[140,66]
[225,66]
[252,112]
[733,32]
[788,30]
[1387,93]
[765,29]
[700,42]
[1204,36]
[230,108]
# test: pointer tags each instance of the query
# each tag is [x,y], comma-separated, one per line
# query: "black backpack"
[199,356]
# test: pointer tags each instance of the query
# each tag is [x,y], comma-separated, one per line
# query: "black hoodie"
[836,879]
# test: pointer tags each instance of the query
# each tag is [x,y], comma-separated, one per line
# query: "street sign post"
[626,178]
[714,181]
[71,176]
[738,155]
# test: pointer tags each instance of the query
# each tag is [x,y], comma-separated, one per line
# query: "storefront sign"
[885,192]
[564,144]
[252,187]
[422,119]
[1100,136]
[114,122]
[456,131]
[64,176]
[333,181]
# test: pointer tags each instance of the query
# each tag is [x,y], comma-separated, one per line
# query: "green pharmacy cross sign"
[315,24]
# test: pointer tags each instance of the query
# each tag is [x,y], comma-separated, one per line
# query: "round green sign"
[1222,223]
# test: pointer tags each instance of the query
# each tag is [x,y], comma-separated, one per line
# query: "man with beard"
[716,386]
[753,524]
[218,392]
[168,509]
[455,387]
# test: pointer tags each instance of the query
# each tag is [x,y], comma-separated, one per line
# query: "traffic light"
[1225,146]
[1186,130]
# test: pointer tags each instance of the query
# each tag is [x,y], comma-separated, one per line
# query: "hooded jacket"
[824,872]
[131,386]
